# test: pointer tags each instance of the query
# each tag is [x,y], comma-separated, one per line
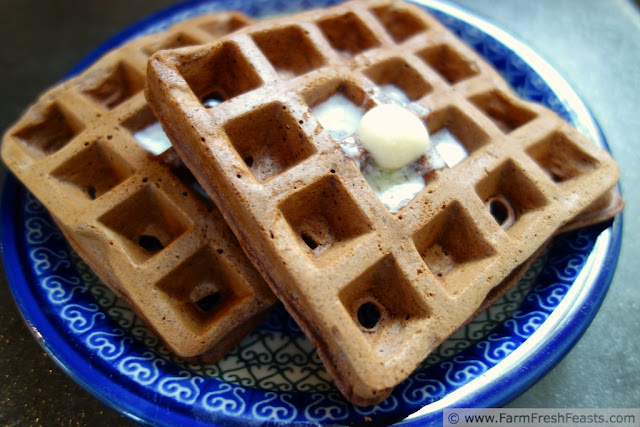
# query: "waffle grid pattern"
[307,217]
[140,221]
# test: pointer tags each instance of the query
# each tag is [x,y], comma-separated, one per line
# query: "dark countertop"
[594,44]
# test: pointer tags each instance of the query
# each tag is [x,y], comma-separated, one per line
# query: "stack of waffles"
[260,195]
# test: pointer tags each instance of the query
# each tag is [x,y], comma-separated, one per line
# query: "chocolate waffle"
[375,290]
[93,153]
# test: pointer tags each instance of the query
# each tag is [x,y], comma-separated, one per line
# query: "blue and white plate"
[274,375]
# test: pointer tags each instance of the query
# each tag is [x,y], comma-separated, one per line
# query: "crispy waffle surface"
[138,219]
[304,212]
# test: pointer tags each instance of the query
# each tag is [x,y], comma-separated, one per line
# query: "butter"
[393,136]
[397,185]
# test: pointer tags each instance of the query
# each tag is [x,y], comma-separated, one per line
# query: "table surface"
[594,44]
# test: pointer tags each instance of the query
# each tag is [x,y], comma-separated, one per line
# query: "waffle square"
[375,291]
[134,212]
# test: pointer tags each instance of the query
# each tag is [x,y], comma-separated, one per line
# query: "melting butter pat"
[153,139]
[393,136]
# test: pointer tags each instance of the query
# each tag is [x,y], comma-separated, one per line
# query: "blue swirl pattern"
[45,260]
[227,398]
[108,345]
[184,388]
[275,407]
[144,370]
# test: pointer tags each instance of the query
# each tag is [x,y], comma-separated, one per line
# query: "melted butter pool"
[153,139]
[338,115]
[395,188]
[450,148]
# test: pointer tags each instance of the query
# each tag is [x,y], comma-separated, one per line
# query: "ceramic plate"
[274,375]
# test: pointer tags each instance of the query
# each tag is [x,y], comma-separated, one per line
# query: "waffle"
[136,215]
[375,291]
